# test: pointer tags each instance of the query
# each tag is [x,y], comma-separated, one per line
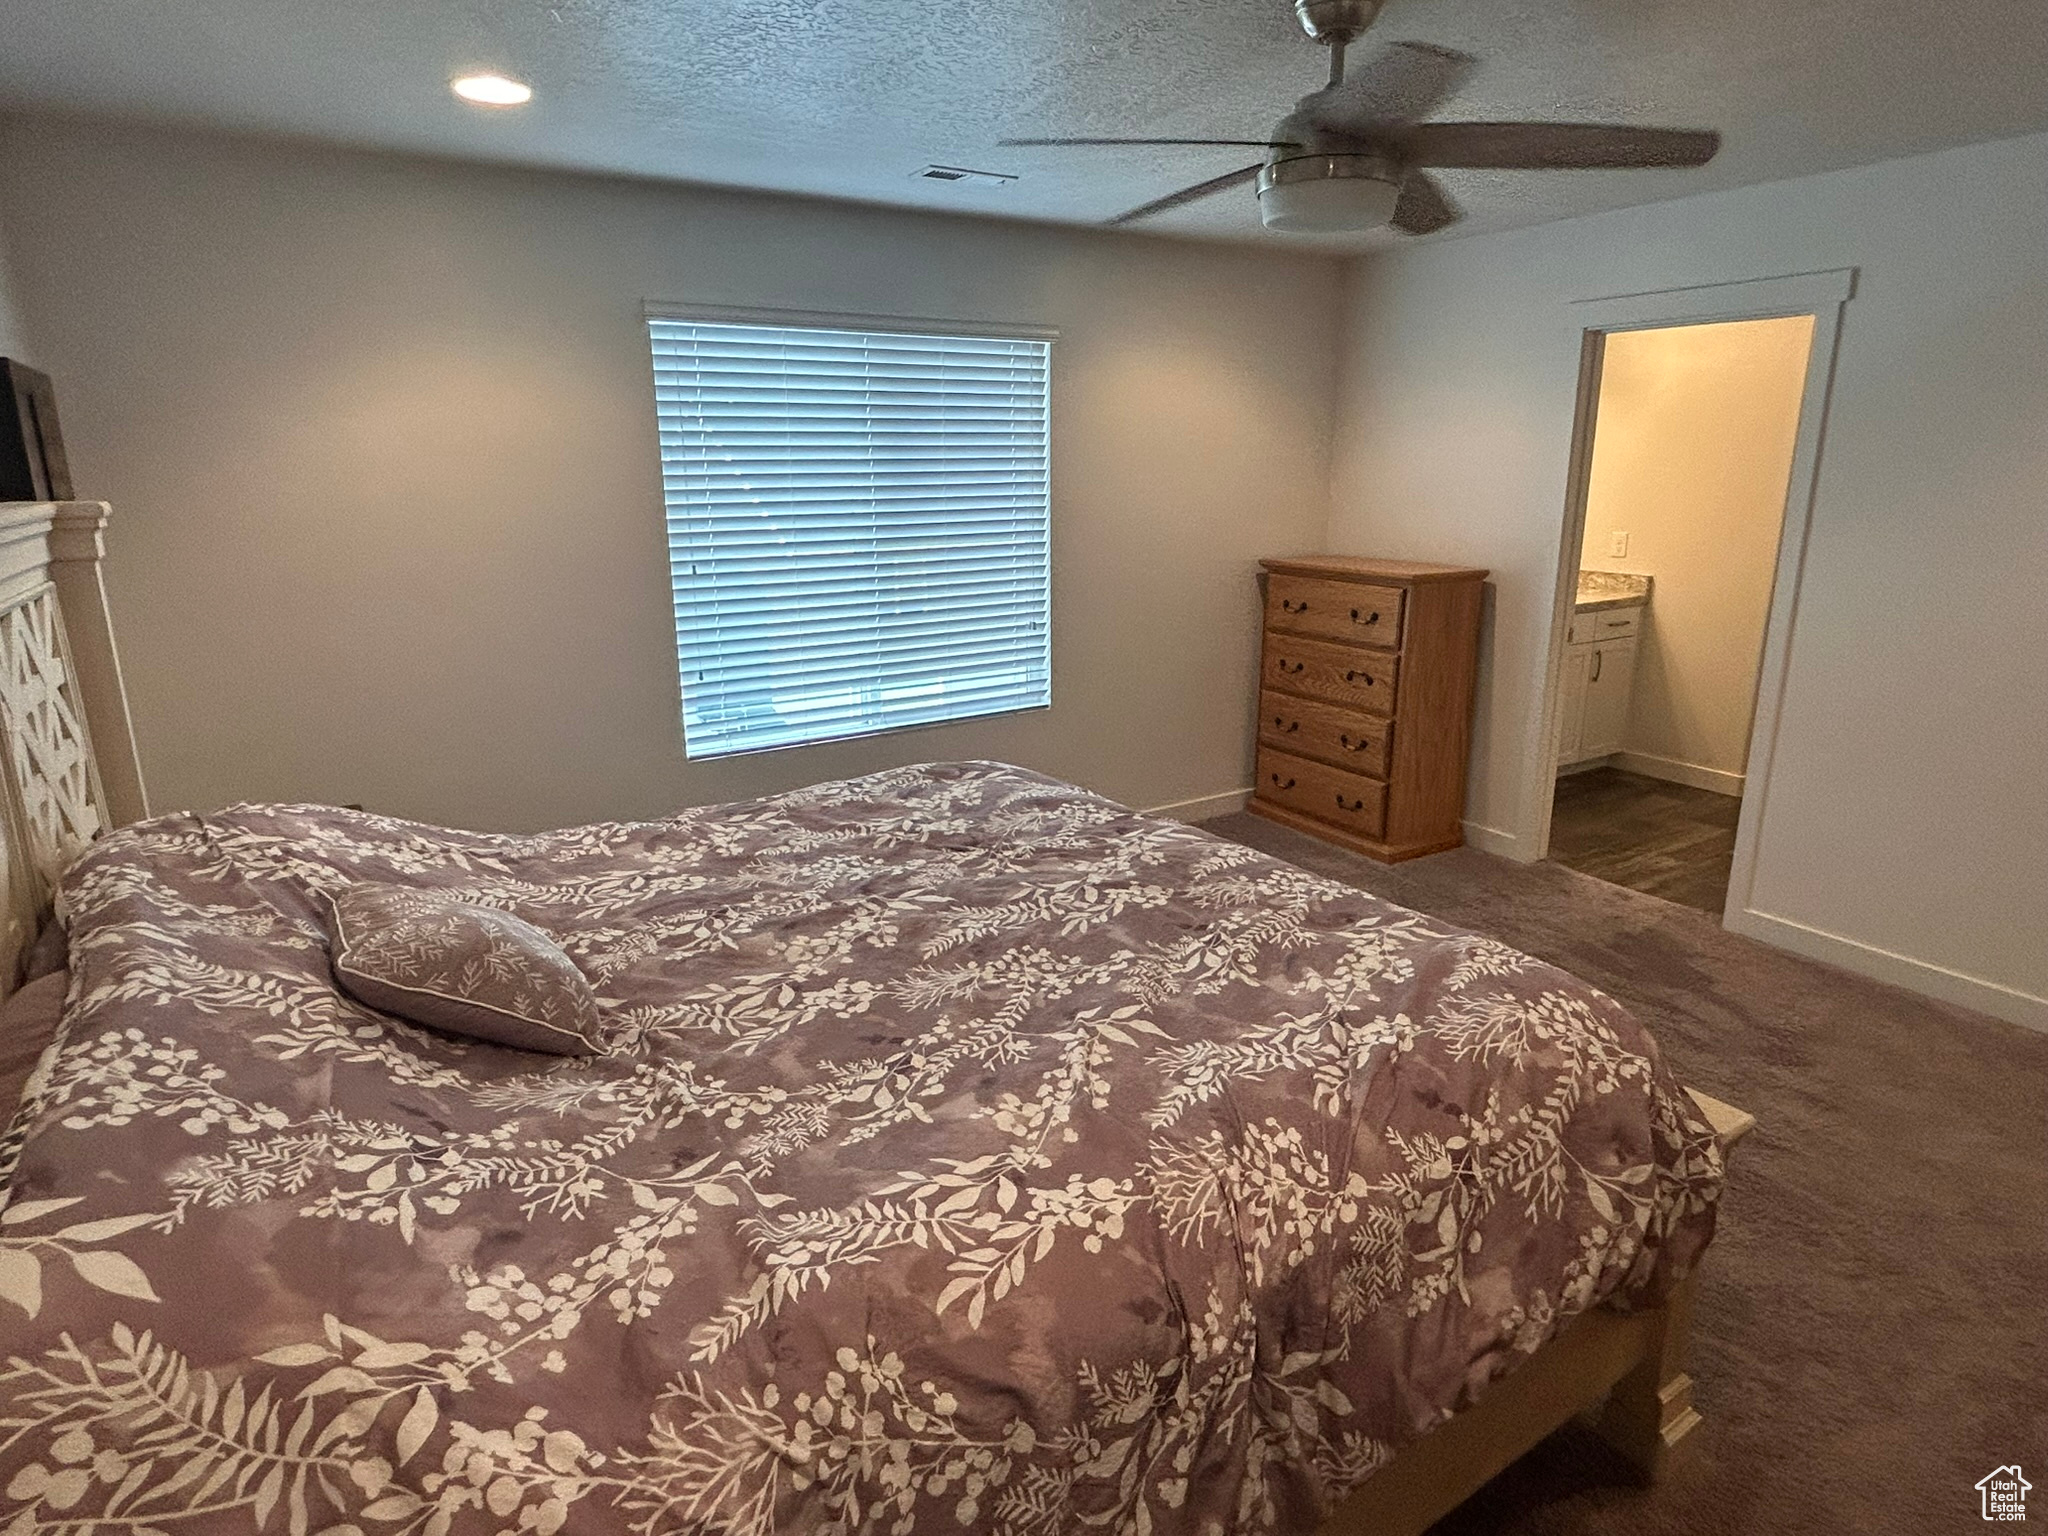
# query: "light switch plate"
[1617,545]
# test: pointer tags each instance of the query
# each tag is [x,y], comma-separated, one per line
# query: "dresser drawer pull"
[1353,677]
[1285,726]
[1350,805]
[1359,745]
[1370,618]
[1276,779]
[1291,668]
[1289,605]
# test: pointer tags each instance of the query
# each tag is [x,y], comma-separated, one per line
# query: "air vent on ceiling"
[962,174]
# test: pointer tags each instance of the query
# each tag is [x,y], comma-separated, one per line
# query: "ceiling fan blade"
[1198,143]
[1185,195]
[1397,85]
[1424,206]
[1554,146]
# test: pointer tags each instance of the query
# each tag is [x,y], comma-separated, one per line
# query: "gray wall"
[13,340]
[380,441]
[1906,830]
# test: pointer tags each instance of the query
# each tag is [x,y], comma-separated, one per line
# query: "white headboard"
[68,769]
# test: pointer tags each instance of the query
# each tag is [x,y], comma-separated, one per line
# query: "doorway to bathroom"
[1693,438]
[1663,452]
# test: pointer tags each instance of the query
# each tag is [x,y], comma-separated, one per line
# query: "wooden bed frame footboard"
[1623,1371]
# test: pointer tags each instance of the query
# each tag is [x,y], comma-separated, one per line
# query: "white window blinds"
[858,527]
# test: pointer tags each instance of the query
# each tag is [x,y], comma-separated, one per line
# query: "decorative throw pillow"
[465,969]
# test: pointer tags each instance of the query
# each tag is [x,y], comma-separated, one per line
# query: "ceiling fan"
[1355,155]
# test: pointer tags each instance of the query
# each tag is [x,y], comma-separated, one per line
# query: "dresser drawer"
[1338,610]
[1342,674]
[1324,731]
[1347,800]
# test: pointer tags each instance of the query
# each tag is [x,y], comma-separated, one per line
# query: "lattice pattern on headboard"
[49,753]
[63,711]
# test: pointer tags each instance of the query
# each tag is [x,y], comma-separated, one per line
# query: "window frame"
[903,325]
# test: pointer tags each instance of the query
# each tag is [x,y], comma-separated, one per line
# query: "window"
[858,525]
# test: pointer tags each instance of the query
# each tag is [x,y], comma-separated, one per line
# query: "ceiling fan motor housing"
[1326,194]
[1336,21]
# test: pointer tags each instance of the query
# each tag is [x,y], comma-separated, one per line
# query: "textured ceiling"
[847,98]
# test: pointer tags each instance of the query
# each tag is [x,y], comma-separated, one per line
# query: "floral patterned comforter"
[974,1154]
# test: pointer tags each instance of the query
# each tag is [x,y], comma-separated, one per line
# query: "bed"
[971,1153]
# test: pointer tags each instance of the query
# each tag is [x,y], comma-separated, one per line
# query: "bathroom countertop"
[1600,590]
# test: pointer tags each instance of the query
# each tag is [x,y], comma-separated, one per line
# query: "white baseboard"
[1493,840]
[1204,806]
[2001,1002]
[1585,765]
[1719,780]
[1477,835]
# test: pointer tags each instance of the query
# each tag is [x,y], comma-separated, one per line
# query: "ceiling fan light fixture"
[1328,194]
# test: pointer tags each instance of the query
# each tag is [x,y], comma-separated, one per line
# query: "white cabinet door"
[1610,678]
[1571,708]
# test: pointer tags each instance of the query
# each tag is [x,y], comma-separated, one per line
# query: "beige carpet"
[1872,1335]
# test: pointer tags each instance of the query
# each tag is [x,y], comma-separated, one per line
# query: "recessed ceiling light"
[492,90]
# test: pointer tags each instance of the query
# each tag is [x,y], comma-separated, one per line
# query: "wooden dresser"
[1365,701]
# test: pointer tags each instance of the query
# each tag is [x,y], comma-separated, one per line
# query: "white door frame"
[1591,321]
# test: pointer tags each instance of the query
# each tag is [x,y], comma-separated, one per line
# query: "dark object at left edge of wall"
[32,462]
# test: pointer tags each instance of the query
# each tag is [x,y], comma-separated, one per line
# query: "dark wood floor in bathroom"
[1663,839]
